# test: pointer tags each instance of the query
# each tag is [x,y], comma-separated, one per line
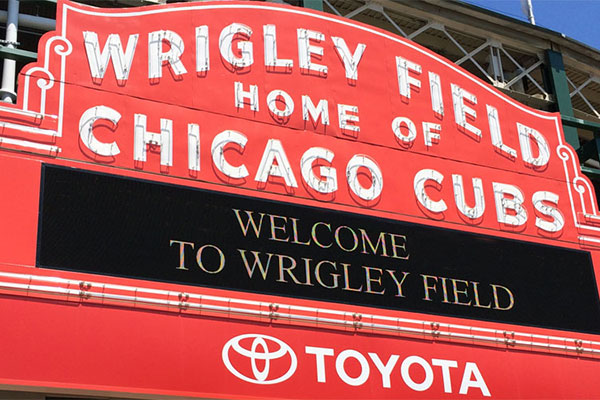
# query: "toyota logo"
[260,356]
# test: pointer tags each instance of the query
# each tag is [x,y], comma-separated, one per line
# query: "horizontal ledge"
[17,54]
[320,318]
[580,123]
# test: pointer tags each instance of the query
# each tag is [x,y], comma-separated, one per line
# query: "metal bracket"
[17,54]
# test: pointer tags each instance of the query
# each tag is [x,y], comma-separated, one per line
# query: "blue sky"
[577,19]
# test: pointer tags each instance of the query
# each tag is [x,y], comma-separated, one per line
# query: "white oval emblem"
[262,348]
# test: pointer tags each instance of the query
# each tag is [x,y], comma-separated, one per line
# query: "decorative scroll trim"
[42,78]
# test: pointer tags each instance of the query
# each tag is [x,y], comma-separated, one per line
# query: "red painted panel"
[19,204]
[119,350]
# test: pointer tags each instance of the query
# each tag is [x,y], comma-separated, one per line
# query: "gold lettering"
[398,284]
[314,234]
[456,292]
[295,232]
[334,276]
[181,252]
[426,287]
[221,259]
[257,261]
[444,290]
[476,295]
[347,279]
[289,269]
[249,222]
[497,301]
[275,228]
[369,279]
[366,240]
[337,238]
[395,247]
[307,271]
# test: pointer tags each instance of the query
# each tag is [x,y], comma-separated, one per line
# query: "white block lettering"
[350,60]
[86,130]
[218,156]
[164,140]
[113,49]
[156,55]
[419,182]
[228,33]
[274,162]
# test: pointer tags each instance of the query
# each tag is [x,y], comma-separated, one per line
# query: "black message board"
[104,224]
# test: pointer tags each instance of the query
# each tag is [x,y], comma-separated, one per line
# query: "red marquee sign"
[281,102]
[155,355]
[285,105]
